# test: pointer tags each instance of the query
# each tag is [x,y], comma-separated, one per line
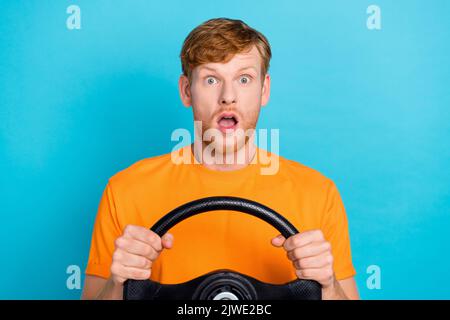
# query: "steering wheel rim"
[208,204]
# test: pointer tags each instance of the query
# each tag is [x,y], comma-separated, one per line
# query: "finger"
[308,274]
[116,270]
[135,273]
[167,240]
[301,239]
[144,235]
[136,247]
[320,261]
[309,250]
[131,260]
[122,272]
[320,275]
[278,241]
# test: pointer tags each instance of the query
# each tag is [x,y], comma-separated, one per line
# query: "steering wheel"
[223,284]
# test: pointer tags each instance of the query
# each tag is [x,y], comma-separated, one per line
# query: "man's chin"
[233,145]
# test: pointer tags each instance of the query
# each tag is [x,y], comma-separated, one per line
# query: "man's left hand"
[311,256]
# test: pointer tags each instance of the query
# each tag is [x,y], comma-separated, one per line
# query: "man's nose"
[228,94]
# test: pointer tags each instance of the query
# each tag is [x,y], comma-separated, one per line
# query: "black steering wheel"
[223,284]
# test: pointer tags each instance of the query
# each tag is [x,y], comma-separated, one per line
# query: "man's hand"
[135,252]
[312,259]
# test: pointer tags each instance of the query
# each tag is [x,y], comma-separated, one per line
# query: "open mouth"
[227,122]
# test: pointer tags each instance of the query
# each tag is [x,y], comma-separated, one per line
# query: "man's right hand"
[135,252]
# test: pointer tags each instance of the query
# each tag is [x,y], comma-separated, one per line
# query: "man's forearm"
[110,291]
[334,292]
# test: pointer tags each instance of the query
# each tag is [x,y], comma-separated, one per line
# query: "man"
[225,80]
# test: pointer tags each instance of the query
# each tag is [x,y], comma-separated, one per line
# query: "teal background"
[367,108]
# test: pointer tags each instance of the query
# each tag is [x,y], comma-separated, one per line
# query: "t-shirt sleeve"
[336,231]
[106,230]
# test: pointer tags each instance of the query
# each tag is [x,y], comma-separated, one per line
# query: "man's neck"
[241,158]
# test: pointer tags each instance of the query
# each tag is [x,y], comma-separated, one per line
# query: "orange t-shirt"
[150,188]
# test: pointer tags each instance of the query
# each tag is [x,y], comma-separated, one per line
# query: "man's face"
[227,96]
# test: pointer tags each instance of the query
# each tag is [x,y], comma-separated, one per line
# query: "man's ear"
[265,93]
[185,90]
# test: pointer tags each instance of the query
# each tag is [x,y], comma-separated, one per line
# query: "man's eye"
[211,80]
[244,79]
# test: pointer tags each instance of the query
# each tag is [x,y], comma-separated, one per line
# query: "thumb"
[167,240]
[278,241]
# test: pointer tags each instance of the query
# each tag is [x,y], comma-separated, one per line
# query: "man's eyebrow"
[214,70]
[207,68]
[249,67]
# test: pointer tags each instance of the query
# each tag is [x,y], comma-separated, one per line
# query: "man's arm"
[341,290]
[349,287]
[98,288]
